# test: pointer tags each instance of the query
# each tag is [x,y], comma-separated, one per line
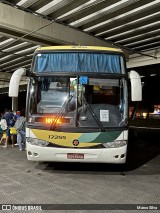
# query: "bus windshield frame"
[78,101]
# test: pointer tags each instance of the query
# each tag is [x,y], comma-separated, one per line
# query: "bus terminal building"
[86,76]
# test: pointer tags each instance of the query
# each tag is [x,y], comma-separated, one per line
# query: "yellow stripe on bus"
[61,138]
[79,48]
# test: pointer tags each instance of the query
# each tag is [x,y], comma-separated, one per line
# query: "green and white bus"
[77,104]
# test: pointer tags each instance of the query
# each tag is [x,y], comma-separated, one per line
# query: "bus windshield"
[85,101]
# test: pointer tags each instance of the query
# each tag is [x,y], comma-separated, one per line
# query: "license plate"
[75,156]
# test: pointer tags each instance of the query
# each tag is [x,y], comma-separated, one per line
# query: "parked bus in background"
[77,104]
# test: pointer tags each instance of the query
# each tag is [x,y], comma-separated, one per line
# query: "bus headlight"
[36,142]
[115,144]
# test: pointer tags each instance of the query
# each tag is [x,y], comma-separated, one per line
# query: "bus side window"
[33,100]
[33,103]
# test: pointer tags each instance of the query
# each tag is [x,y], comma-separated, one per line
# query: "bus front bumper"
[50,154]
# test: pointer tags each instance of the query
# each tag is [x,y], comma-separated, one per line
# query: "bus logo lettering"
[62,137]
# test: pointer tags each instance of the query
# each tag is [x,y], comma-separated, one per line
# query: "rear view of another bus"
[77,105]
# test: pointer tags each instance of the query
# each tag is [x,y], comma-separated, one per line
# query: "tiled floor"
[137,182]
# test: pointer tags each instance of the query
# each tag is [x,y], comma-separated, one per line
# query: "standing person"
[3,138]
[21,135]
[10,119]
[3,128]
[18,114]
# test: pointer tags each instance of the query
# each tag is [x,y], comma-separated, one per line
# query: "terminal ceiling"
[133,25]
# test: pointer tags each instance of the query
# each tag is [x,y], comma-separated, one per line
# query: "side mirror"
[136,86]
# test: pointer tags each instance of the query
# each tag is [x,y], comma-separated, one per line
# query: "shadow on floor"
[144,145]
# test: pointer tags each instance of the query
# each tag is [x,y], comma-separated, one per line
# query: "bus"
[77,104]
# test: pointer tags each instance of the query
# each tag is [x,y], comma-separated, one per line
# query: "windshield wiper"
[94,116]
[60,113]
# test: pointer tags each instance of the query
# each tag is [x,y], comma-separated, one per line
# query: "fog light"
[123,155]
[29,153]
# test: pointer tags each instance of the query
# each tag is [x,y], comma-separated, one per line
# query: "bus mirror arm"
[136,86]
[15,81]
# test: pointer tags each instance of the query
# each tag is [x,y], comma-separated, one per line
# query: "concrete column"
[14,104]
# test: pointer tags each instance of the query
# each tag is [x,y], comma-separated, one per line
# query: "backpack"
[20,124]
[11,122]
[10,118]
[3,124]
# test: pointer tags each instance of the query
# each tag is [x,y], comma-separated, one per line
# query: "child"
[3,138]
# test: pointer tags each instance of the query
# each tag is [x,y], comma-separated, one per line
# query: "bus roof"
[96,48]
